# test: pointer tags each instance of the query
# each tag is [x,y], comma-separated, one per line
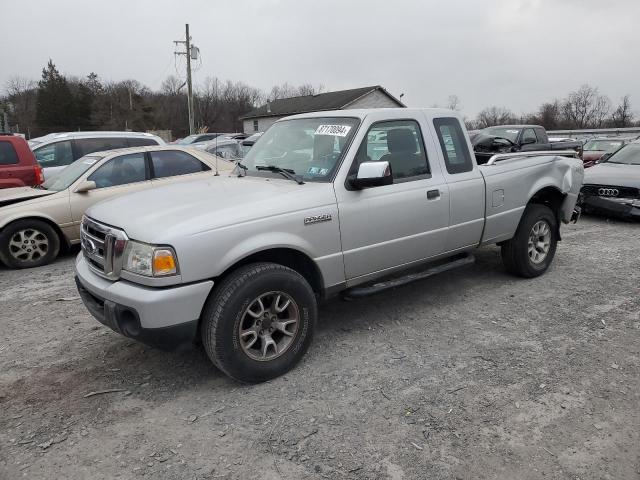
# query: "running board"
[359,292]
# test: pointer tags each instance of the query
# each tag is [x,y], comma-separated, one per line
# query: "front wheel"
[259,322]
[28,243]
[531,250]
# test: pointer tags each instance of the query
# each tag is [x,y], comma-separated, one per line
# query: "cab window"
[529,136]
[454,145]
[91,145]
[56,154]
[398,142]
[121,171]
[169,163]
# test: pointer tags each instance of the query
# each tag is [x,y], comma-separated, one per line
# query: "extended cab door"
[387,227]
[465,182]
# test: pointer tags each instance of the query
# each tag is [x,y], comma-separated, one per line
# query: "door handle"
[433,194]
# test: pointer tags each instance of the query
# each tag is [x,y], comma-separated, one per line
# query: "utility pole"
[191,51]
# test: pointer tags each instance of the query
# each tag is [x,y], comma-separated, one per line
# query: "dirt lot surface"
[470,375]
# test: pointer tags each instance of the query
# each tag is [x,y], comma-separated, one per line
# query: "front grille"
[103,247]
[623,192]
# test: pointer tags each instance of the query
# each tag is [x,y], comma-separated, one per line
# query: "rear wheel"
[28,243]
[530,252]
[259,322]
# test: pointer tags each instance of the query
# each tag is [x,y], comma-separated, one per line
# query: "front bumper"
[619,207]
[162,317]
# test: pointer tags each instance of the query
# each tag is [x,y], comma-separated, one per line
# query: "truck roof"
[391,112]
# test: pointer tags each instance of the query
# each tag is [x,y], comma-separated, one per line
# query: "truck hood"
[614,174]
[10,196]
[161,214]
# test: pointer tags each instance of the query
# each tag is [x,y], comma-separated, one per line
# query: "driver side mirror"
[372,174]
[85,186]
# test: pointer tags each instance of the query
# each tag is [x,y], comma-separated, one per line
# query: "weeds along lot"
[471,374]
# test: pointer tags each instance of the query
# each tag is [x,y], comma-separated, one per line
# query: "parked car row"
[36,222]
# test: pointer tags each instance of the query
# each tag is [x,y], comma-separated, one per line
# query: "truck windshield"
[509,133]
[70,174]
[607,146]
[310,148]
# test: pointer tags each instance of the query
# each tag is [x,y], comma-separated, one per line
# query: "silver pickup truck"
[345,202]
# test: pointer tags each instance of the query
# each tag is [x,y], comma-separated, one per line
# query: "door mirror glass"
[85,186]
[372,174]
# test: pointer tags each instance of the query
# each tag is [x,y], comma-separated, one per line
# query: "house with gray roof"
[261,118]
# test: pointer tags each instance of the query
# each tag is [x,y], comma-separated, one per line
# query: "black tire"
[515,252]
[224,314]
[36,233]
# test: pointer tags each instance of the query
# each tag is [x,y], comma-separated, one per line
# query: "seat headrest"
[401,140]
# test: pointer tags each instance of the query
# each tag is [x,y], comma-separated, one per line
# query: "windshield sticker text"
[335,130]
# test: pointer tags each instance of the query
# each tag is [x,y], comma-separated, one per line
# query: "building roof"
[314,103]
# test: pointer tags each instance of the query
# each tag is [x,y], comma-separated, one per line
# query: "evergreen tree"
[55,105]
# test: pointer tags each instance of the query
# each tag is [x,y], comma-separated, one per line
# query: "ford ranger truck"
[344,202]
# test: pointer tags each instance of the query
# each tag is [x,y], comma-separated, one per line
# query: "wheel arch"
[551,197]
[287,256]
[64,241]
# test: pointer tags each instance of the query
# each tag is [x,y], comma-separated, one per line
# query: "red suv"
[18,166]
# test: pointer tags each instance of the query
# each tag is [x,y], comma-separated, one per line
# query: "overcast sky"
[512,53]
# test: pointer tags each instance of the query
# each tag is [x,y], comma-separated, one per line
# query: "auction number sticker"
[335,130]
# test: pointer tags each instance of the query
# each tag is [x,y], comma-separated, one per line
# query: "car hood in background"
[614,174]
[9,196]
[162,214]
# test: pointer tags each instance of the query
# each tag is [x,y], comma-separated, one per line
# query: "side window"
[226,151]
[55,154]
[454,145]
[169,163]
[90,145]
[120,171]
[8,155]
[529,135]
[141,142]
[398,142]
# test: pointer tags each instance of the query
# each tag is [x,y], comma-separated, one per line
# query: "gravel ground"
[472,374]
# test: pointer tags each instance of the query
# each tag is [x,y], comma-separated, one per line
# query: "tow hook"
[575,216]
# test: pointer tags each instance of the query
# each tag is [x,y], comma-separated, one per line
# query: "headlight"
[149,260]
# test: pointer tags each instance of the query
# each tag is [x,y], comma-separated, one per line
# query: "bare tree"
[287,90]
[21,99]
[494,116]
[622,116]
[453,103]
[586,108]
[172,85]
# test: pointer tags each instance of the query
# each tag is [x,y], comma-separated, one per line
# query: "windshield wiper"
[285,172]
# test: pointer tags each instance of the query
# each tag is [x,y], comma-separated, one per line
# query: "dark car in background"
[597,148]
[516,138]
[612,187]
[18,166]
